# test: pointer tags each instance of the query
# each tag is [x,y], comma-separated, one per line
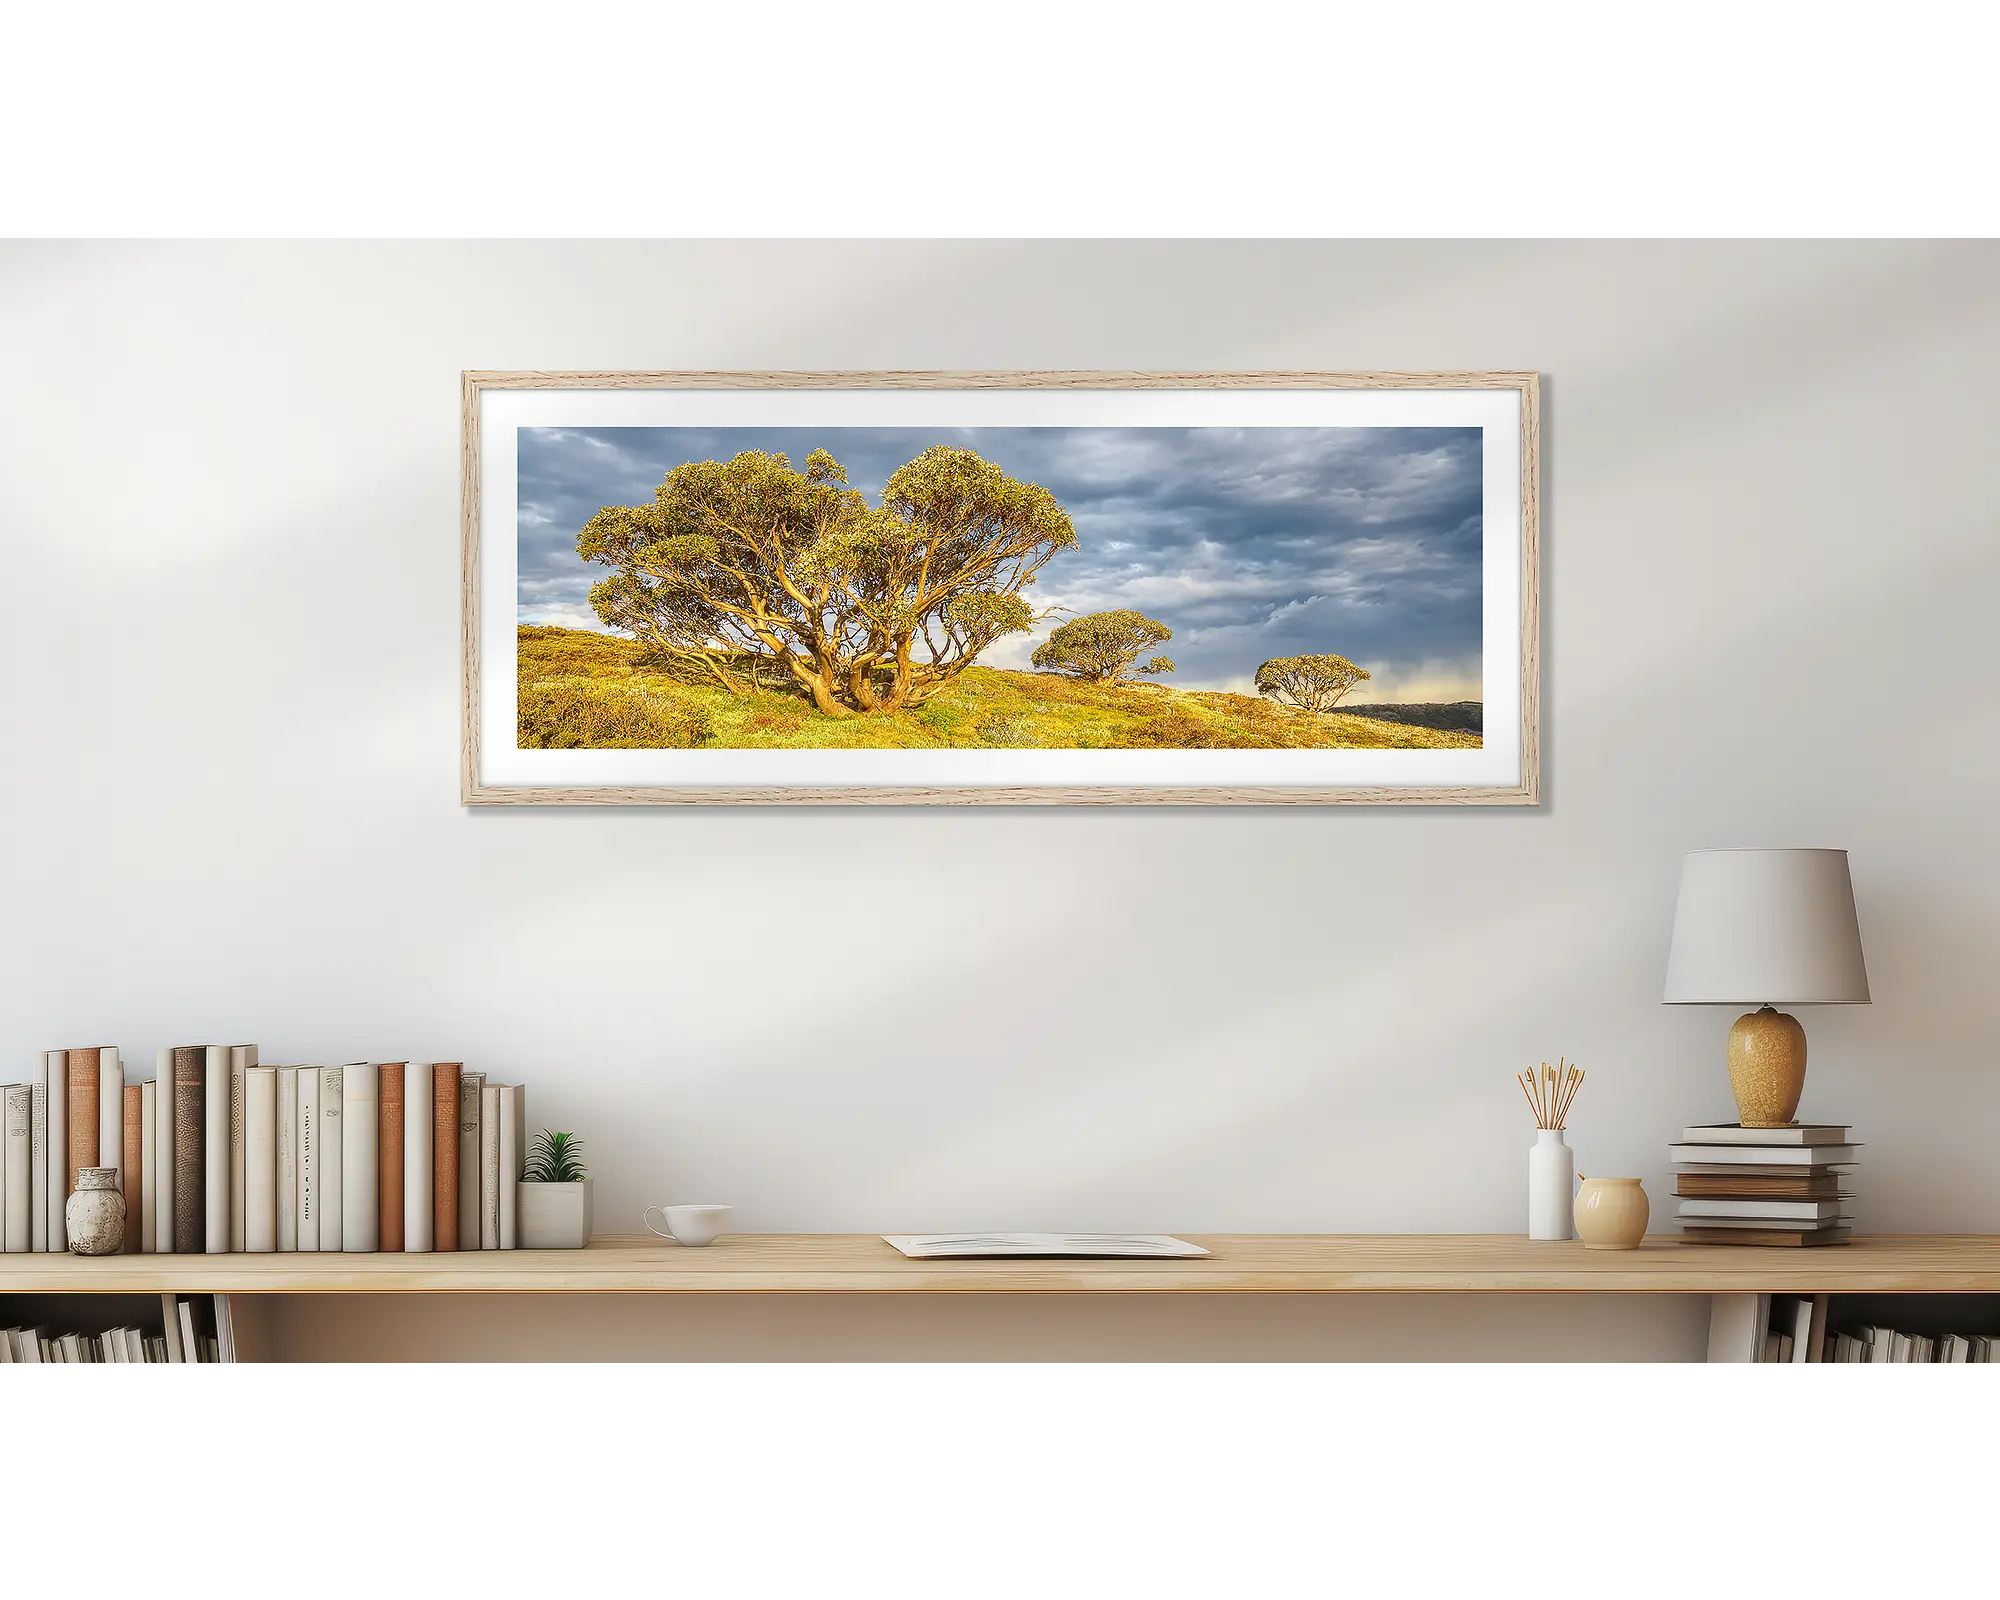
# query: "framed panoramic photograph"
[1000,588]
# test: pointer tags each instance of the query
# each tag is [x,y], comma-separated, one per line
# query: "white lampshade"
[1766,927]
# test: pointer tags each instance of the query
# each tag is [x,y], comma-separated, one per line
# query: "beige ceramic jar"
[94,1217]
[1611,1213]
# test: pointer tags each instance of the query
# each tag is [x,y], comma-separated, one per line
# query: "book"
[1749,1184]
[361,1181]
[55,1073]
[38,1161]
[1768,1210]
[82,1114]
[225,1329]
[260,1160]
[489,1167]
[171,1329]
[511,1157]
[190,1164]
[389,1156]
[20,1161]
[1759,1155]
[331,1156]
[288,1158]
[1738,1174]
[1735,1133]
[1799,1331]
[419,1187]
[1957,1348]
[444,1154]
[471,1097]
[111,1113]
[148,1204]
[190,1340]
[305,1153]
[163,1150]
[1802,1224]
[1822,1311]
[1757,1236]
[134,1130]
[215,1150]
[242,1057]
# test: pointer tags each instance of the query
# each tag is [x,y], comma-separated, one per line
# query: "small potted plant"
[555,1198]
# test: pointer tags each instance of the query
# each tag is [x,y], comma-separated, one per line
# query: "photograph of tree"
[1107,588]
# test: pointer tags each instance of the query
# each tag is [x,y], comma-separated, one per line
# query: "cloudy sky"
[1248,542]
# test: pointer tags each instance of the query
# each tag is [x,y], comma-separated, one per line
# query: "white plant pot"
[554,1216]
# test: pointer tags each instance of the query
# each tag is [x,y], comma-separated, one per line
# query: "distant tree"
[1102,647]
[1314,683]
[748,567]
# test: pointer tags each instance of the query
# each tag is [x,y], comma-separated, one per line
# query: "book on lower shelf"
[199,1328]
[1763,1187]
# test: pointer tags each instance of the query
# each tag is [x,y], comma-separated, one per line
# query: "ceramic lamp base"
[1767,1068]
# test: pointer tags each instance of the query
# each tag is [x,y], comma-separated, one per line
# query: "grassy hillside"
[583,690]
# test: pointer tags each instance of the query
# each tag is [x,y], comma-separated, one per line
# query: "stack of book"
[1764,1186]
[219,1153]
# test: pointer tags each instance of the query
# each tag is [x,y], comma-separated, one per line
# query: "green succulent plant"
[554,1159]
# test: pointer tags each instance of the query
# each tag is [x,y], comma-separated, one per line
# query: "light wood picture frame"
[512,420]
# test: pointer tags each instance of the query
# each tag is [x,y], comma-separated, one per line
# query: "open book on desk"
[1135,1246]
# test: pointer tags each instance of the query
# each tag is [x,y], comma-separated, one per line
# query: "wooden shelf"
[1240,1263]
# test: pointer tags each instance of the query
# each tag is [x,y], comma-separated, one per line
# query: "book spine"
[111,1112]
[82,1115]
[55,1071]
[361,1179]
[389,1156]
[260,1160]
[242,1057]
[419,1187]
[331,1156]
[149,1167]
[510,1164]
[38,1160]
[190,1168]
[444,1155]
[215,1151]
[163,1151]
[135,1168]
[20,1163]
[288,1158]
[306,1154]
[471,1087]
[489,1167]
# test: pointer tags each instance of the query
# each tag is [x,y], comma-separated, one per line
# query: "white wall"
[228,478]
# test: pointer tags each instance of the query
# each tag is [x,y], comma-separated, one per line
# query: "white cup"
[689,1225]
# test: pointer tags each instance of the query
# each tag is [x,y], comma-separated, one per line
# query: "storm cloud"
[1248,542]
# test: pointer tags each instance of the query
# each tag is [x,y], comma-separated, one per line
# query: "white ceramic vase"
[1551,1186]
[94,1217]
[553,1216]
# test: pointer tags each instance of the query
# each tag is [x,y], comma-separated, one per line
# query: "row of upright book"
[1765,1186]
[1788,1329]
[196,1328]
[219,1153]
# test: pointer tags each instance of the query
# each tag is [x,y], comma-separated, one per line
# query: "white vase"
[553,1216]
[1551,1184]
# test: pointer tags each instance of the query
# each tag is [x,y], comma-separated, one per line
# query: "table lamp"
[1766,928]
